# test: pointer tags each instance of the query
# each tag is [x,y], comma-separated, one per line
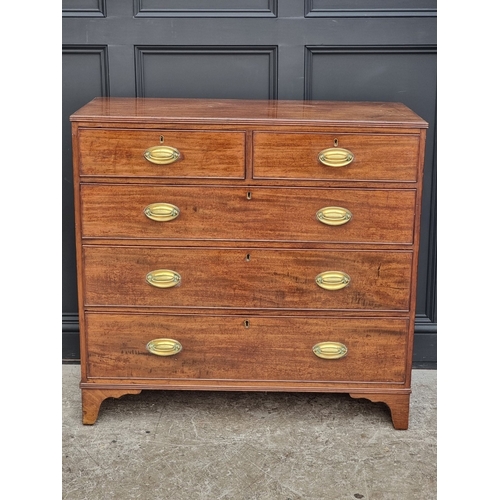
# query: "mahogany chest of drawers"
[247,246]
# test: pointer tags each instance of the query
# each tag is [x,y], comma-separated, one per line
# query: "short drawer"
[179,153]
[256,214]
[246,348]
[348,157]
[247,278]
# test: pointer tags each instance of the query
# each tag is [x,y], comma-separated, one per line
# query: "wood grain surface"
[247,246]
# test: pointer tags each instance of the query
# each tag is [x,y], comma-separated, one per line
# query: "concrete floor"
[173,445]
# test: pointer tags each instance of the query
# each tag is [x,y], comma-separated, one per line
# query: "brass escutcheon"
[164,347]
[333,280]
[161,212]
[163,278]
[162,155]
[334,216]
[335,157]
[330,350]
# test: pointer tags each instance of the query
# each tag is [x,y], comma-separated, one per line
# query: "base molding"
[70,338]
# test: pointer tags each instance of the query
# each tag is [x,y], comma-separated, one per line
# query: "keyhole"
[249,195]
[335,142]
[161,139]
[247,258]
[246,323]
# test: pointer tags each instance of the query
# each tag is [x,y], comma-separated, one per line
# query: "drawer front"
[249,279]
[120,153]
[374,157]
[239,348]
[257,214]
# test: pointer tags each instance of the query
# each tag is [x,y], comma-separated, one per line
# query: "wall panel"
[226,72]
[205,8]
[255,49]
[84,76]
[84,8]
[371,8]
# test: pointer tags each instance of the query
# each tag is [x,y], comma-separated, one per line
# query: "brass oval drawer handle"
[333,280]
[335,157]
[334,216]
[162,155]
[163,278]
[330,350]
[164,347]
[161,212]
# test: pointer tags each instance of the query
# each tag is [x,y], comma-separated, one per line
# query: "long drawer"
[347,157]
[258,214]
[184,153]
[247,278]
[236,348]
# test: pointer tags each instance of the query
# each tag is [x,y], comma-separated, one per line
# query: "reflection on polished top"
[383,114]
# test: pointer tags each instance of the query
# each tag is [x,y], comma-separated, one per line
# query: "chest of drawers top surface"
[247,245]
[151,110]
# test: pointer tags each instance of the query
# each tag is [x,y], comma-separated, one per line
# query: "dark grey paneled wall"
[379,8]
[381,50]
[205,8]
[230,72]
